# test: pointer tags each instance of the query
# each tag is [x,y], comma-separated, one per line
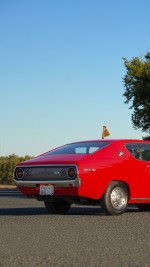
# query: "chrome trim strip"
[47,165]
[65,183]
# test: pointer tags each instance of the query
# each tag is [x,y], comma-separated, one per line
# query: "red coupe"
[109,173]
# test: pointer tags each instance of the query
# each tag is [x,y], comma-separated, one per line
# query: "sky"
[61,70]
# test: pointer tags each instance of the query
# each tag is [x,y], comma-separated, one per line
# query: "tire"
[115,199]
[143,207]
[58,207]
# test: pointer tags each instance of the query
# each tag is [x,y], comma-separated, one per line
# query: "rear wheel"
[115,199]
[58,207]
[143,207]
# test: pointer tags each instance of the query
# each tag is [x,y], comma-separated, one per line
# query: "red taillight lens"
[19,173]
[71,172]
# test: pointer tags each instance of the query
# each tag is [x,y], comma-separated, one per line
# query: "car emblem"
[28,173]
[89,170]
[121,153]
[63,172]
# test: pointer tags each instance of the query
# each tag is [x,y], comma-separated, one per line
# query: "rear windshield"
[79,148]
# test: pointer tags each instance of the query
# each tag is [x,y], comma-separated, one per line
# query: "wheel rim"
[118,198]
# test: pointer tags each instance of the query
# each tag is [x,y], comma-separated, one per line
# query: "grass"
[7,186]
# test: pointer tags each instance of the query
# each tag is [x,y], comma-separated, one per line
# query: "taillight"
[19,173]
[71,172]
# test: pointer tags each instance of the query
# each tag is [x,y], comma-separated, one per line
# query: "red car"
[109,173]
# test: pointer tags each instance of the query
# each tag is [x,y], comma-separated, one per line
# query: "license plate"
[46,190]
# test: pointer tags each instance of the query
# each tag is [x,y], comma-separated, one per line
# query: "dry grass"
[7,186]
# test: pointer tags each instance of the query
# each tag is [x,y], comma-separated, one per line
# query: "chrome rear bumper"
[65,183]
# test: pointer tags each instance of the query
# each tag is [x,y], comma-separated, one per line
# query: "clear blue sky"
[61,70]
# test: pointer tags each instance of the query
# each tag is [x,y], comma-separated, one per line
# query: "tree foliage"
[137,90]
[7,165]
[147,138]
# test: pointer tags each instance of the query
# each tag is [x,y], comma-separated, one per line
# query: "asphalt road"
[29,236]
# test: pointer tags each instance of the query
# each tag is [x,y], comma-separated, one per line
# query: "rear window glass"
[140,151]
[79,148]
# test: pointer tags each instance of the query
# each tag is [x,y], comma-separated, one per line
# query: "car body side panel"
[98,172]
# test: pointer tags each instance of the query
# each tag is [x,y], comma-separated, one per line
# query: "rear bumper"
[64,183]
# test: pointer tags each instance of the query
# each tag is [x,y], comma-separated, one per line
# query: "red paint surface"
[97,170]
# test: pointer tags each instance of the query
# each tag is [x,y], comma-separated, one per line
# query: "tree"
[7,166]
[137,90]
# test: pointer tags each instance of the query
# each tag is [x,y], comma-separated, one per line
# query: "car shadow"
[74,211]
[22,211]
[32,211]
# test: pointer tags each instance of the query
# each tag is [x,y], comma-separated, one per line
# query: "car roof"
[113,141]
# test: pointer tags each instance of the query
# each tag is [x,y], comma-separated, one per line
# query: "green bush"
[7,166]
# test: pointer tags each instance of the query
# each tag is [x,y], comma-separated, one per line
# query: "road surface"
[29,236]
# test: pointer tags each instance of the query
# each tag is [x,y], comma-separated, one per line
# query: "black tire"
[143,207]
[115,199]
[58,207]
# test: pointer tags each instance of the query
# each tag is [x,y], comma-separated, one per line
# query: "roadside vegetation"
[7,165]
